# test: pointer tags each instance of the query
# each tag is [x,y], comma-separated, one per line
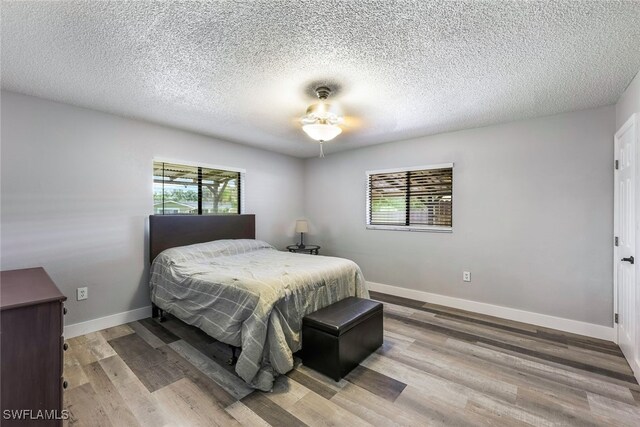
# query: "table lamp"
[302,227]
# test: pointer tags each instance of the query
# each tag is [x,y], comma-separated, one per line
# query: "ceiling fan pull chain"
[321,151]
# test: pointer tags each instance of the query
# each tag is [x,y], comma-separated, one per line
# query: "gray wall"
[629,102]
[533,221]
[532,206]
[76,192]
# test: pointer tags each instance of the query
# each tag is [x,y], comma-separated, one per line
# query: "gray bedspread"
[246,293]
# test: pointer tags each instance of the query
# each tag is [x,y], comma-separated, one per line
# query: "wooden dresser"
[31,326]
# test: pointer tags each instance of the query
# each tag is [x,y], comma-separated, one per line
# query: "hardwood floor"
[438,366]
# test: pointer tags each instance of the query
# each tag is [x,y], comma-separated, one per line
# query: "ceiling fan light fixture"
[322,131]
[324,111]
[322,119]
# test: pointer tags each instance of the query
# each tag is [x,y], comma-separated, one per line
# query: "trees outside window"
[195,190]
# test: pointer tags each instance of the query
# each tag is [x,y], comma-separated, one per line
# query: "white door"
[624,228]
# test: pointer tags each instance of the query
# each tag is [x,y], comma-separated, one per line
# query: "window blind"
[421,198]
[195,190]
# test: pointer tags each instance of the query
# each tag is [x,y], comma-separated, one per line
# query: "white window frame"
[243,175]
[429,228]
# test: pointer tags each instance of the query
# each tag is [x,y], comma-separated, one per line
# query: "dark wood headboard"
[169,231]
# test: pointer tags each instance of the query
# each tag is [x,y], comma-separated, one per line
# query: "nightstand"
[306,249]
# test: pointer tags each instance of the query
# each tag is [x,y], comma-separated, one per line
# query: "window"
[419,198]
[195,190]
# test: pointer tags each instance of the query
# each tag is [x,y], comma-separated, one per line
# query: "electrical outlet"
[82,293]
[466,276]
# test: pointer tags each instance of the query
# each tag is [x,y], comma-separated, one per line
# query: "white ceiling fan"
[323,121]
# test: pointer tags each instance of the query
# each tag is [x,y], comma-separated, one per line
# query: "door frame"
[630,122]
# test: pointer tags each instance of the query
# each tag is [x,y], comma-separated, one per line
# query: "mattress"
[248,294]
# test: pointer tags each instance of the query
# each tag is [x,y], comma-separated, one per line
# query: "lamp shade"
[302,226]
[322,131]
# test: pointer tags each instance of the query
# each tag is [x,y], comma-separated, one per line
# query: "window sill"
[411,228]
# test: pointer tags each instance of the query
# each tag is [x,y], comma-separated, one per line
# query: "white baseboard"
[544,320]
[100,323]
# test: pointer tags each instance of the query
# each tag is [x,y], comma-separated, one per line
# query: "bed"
[210,272]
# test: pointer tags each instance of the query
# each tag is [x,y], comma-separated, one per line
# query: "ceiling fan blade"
[352,123]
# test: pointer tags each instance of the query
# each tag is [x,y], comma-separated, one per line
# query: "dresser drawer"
[32,358]
[31,347]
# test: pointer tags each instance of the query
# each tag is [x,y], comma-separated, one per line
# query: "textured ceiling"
[244,71]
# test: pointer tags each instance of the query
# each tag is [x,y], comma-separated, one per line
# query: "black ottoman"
[337,338]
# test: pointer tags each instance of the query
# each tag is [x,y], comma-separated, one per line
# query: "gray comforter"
[246,293]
